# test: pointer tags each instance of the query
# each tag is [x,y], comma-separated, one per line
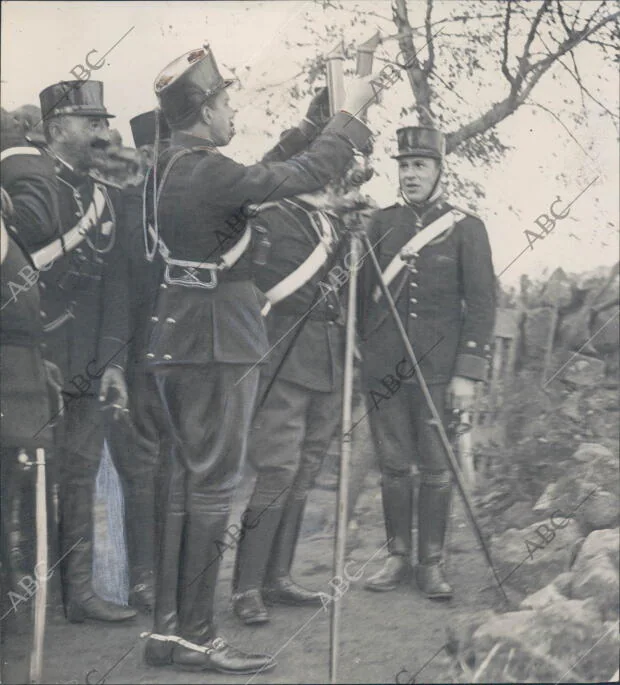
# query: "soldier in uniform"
[209,337]
[25,407]
[293,429]
[67,224]
[136,440]
[444,288]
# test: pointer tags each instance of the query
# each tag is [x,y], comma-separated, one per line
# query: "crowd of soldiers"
[162,317]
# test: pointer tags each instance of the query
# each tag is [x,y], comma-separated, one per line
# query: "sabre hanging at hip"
[40,601]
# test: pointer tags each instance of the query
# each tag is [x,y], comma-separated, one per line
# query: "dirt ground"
[382,634]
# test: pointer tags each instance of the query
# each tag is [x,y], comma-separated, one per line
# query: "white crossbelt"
[420,240]
[304,272]
[74,236]
[12,151]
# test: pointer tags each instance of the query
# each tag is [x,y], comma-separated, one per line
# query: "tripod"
[360,248]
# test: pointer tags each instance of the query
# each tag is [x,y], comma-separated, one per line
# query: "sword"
[41,566]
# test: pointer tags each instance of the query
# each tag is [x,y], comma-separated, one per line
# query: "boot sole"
[385,588]
[438,595]
[254,620]
[226,671]
[292,603]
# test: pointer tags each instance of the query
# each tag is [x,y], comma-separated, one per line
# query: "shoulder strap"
[23,150]
[421,239]
[74,236]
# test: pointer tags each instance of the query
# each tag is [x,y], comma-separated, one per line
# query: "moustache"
[100,145]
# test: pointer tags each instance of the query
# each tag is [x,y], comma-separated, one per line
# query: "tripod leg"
[345,454]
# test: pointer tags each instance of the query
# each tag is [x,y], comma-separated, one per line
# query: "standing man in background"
[136,439]
[67,224]
[293,429]
[436,260]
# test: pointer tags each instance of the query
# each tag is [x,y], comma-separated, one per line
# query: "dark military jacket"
[83,293]
[315,360]
[143,277]
[24,408]
[203,211]
[445,298]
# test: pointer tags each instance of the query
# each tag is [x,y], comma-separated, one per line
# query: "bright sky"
[43,41]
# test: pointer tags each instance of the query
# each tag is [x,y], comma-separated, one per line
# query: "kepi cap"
[78,98]
[187,82]
[143,128]
[420,141]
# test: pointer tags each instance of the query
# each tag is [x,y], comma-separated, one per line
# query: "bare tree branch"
[417,76]
[428,67]
[563,18]
[503,109]
[534,28]
[505,69]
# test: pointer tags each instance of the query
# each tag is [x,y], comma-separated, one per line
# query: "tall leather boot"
[172,521]
[202,550]
[253,553]
[77,544]
[279,587]
[433,512]
[19,543]
[397,498]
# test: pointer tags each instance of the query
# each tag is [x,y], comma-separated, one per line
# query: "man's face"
[221,125]
[417,176]
[82,141]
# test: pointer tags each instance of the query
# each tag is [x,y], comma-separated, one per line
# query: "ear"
[206,114]
[56,129]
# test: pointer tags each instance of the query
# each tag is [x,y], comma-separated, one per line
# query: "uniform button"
[413,284]
[170,320]
[413,315]
[414,270]
[154,318]
[167,356]
[150,355]
[163,286]
[413,300]
[43,314]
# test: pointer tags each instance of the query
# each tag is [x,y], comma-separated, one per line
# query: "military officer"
[209,336]
[67,223]
[437,261]
[293,429]
[25,407]
[136,440]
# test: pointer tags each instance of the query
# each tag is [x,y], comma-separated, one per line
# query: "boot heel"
[157,653]
[75,613]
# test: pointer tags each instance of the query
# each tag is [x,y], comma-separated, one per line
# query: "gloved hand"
[361,93]
[113,390]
